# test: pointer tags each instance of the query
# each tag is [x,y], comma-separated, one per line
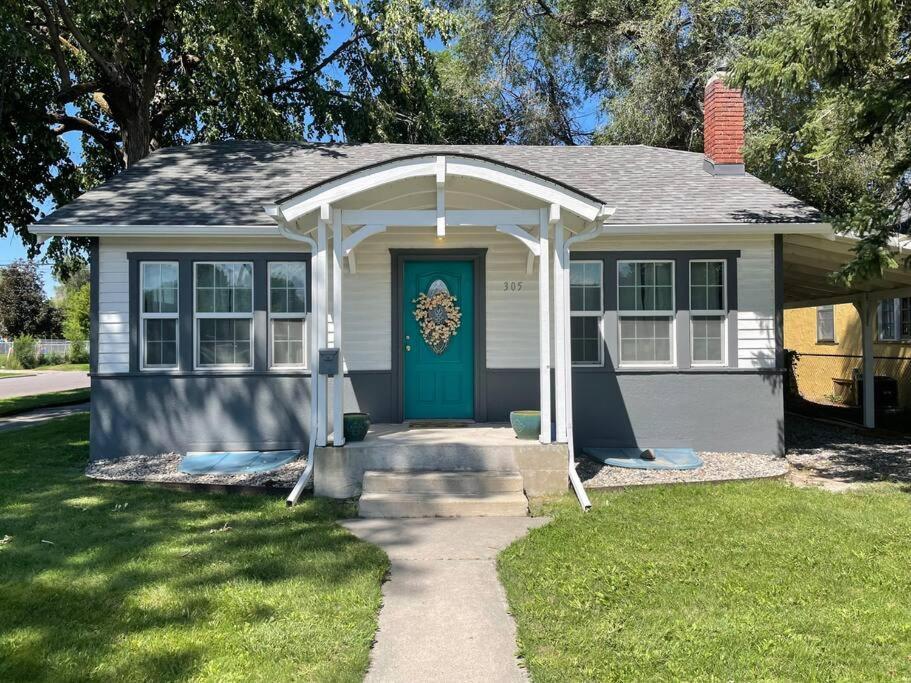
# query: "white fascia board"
[722,228]
[359,181]
[52,230]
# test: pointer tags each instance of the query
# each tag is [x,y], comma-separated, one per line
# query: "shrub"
[78,352]
[25,351]
[51,359]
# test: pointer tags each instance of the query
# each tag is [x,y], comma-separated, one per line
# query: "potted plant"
[526,423]
[356,426]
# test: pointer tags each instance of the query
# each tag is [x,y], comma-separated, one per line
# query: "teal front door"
[438,382]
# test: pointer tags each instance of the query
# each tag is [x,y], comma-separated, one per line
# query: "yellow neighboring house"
[828,339]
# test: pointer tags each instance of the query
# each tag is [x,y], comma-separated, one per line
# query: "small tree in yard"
[22,299]
[76,313]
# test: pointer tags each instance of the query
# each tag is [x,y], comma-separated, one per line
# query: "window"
[586,306]
[895,319]
[287,311]
[708,312]
[825,324]
[645,306]
[158,312]
[224,314]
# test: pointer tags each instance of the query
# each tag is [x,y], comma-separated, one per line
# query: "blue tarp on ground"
[665,458]
[235,462]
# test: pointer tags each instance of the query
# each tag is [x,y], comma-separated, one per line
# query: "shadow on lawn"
[126,565]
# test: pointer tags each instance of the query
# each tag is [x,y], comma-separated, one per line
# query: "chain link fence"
[832,380]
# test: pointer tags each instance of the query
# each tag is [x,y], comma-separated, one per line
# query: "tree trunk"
[136,132]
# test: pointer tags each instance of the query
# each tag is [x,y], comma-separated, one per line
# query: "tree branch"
[74,92]
[290,84]
[53,39]
[106,67]
[67,123]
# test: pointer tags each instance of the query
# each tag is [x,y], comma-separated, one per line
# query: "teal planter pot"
[356,426]
[526,423]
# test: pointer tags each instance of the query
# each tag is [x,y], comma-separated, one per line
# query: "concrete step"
[443,483]
[446,505]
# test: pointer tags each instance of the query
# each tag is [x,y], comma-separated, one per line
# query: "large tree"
[131,76]
[24,308]
[842,68]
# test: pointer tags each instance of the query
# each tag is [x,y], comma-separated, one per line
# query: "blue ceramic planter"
[526,423]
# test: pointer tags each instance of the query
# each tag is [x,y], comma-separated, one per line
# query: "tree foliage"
[24,308]
[130,77]
[76,315]
[844,68]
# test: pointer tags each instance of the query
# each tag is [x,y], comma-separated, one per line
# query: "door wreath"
[437,315]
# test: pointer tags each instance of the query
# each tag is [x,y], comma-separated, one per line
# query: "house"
[828,340]
[638,290]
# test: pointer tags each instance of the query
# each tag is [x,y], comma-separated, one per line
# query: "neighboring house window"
[825,324]
[895,319]
[287,310]
[158,283]
[708,312]
[586,305]
[224,314]
[645,306]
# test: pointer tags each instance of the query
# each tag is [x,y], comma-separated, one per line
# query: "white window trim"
[671,314]
[591,314]
[197,316]
[143,316]
[710,313]
[287,316]
[834,339]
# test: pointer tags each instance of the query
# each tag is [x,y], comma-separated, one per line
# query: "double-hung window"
[287,311]
[586,308]
[158,312]
[708,312]
[825,324]
[223,314]
[645,308]
[895,319]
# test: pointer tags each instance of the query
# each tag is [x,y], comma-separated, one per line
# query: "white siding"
[512,316]
[755,286]
[114,279]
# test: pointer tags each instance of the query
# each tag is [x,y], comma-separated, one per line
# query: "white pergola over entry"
[807,264]
[551,217]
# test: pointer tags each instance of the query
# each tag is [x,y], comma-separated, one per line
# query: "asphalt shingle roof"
[227,183]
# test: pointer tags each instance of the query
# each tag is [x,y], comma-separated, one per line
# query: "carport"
[807,263]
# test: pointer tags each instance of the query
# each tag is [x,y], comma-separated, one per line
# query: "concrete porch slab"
[339,472]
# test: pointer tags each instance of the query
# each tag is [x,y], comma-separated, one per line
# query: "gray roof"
[227,183]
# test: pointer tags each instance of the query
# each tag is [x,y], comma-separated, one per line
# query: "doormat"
[631,458]
[236,462]
[438,424]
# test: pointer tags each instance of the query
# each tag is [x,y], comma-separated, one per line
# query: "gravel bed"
[163,468]
[835,457]
[716,467]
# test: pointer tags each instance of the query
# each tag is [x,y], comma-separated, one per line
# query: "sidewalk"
[40,415]
[444,615]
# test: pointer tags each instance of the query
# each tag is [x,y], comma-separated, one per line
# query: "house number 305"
[512,285]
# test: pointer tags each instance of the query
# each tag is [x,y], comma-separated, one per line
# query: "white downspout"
[314,379]
[595,231]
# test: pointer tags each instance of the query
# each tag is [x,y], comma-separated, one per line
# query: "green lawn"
[74,367]
[148,584]
[729,582]
[21,404]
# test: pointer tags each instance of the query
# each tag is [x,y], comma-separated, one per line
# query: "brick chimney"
[723,127]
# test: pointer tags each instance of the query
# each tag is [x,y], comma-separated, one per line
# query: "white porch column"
[544,323]
[559,334]
[338,383]
[866,309]
[321,318]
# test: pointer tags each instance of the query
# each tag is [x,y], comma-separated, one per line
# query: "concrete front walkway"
[444,615]
[39,415]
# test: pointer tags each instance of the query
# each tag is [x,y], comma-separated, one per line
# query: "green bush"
[51,359]
[78,352]
[25,351]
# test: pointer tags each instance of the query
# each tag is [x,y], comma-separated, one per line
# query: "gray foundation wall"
[718,411]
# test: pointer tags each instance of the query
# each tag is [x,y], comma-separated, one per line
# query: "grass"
[73,367]
[4,375]
[149,584]
[746,581]
[21,404]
